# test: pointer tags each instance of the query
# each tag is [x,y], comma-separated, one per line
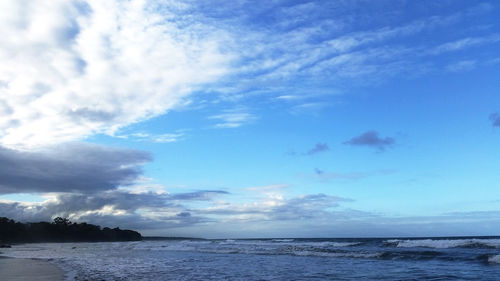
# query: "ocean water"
[274,259]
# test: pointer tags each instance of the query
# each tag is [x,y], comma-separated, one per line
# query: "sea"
[471,258]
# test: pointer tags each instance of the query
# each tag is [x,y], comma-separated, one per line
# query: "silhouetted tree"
[61,230]
[61,221]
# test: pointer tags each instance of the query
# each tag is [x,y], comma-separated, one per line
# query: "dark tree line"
[61,230]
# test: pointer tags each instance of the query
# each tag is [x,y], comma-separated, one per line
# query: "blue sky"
[253,119]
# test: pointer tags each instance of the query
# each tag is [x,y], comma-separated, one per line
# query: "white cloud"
[156,138]
[71,69]
[233,118]
[462,65]
[274,206]
[74,68]
[465,43]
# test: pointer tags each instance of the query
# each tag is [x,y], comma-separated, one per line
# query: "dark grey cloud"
[71,203]
[203,195]
[319,147]
[73,167]
[23,212]
[371,139]
[495,119]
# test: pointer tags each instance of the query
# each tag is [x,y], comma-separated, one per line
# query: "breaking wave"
[445,243]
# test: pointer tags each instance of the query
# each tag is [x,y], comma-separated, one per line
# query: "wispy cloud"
[465,43]
[233,118]
[156,138]
[266,188]
[327,176]
[371,139]
[310,107]
[327,52]
[462,65]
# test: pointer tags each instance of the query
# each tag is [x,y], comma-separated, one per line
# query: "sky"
[237,119]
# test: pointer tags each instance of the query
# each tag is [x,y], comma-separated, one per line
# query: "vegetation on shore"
[61,230]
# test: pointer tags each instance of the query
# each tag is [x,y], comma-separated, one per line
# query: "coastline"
[17,269]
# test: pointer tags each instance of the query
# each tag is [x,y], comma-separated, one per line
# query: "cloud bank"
[146,210]
[151,211]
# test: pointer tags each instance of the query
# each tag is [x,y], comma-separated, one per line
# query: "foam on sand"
[12,269]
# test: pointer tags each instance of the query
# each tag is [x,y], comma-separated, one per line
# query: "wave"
[411,255]
[494,259]
[366,255]
[329,244]
[444,243]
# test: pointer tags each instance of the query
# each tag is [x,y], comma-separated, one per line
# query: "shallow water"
[274,259]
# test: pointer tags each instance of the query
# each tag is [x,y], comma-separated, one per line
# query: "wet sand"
[12,269]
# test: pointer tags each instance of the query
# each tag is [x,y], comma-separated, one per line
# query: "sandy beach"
[12,269]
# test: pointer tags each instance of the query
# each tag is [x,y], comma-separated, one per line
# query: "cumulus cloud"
[74,68]
[371,139]
[495,119]
[74,167]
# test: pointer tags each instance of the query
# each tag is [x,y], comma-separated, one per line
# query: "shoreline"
[21,269]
